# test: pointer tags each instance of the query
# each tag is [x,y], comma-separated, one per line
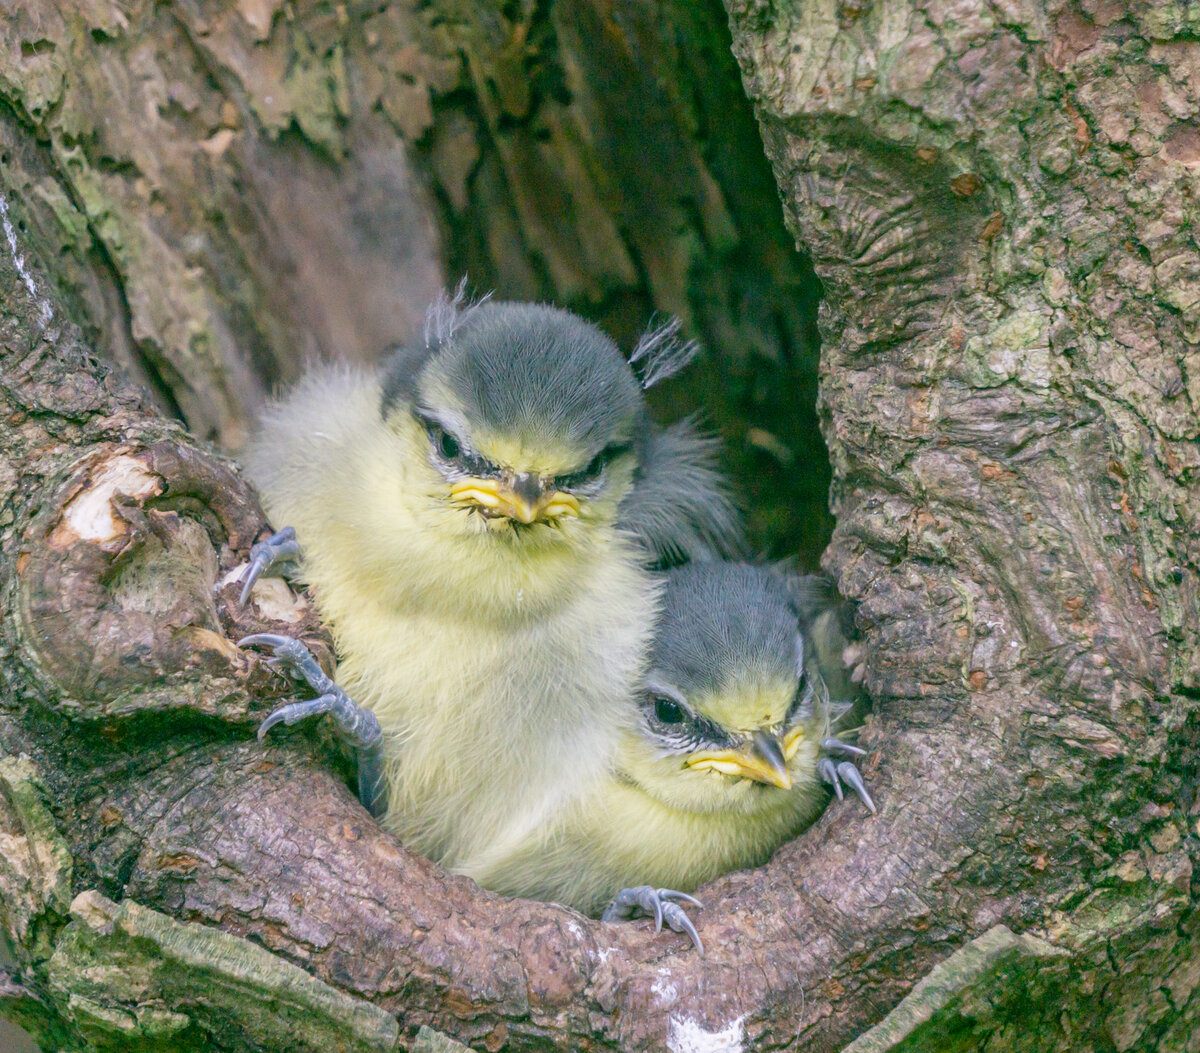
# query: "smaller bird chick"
[726,761]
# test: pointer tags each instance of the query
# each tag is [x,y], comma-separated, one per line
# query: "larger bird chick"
[728,756]
[476,523]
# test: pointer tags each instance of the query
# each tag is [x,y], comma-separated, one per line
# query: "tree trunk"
[998,202]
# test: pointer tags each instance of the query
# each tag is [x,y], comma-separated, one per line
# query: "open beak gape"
[763,760]
[522,498]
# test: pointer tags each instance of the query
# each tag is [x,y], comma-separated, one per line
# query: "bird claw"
[268,555]
[836,772]
[657,902]
[294,712]
[842,747]
[291,657]
[356,726]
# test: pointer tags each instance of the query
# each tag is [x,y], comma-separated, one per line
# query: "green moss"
[936,1013]
[128,978]
[35,868]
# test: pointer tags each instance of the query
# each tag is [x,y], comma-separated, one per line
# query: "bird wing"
[680,509]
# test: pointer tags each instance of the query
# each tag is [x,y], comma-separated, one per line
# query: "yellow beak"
[792,740]
[763,761]
[521,498]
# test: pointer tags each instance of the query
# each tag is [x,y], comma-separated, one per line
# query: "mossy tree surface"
[999,201]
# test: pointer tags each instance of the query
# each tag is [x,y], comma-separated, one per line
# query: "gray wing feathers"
[679,509]
[828,620]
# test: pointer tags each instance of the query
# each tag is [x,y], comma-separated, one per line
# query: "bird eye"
[595,466]
[667,711]
[591,471]
[446,445]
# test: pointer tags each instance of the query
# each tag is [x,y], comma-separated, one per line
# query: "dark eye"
[667,711]
[595,466]
[591,471]
[441,440]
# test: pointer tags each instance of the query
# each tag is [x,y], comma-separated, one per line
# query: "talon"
[657,901]
[269,723]
[827,770]
[854,778]
[266,555]
[677,918]
[265,640]
[670,893]
[844,747]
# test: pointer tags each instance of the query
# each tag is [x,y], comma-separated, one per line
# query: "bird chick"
[726,760]
[476,523]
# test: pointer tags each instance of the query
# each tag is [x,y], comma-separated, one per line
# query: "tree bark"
[997,200]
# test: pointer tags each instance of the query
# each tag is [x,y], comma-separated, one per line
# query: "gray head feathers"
[525,369]
[722,622]
[540,370]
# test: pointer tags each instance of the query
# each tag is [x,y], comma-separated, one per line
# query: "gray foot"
[836,772]
[643,899]
[357,727]
[269,555]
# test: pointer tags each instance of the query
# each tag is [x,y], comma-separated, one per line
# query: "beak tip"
[769,752]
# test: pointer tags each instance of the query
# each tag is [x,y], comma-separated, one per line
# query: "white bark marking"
[47,315]
[689,1036]
[89,515]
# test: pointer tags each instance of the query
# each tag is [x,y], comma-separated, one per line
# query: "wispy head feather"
[661,353]
[449,311]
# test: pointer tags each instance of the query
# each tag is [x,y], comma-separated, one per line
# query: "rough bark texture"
[999,201]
